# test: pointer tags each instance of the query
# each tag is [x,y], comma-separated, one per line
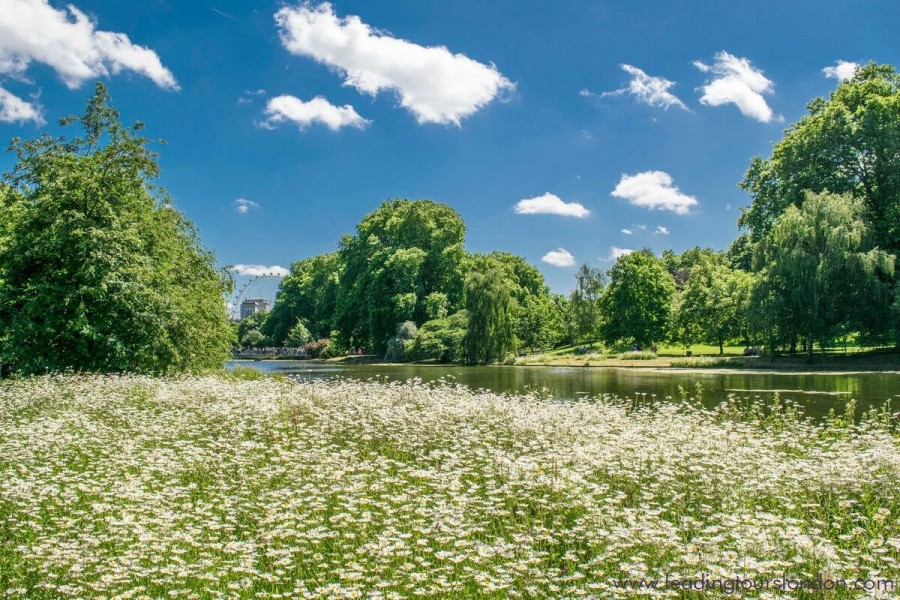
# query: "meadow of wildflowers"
[218,487]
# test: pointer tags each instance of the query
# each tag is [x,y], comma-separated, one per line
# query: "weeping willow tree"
[819,274]
[490,334]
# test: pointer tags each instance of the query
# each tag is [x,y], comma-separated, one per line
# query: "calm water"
[817,392]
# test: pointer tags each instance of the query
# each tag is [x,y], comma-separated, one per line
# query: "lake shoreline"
[661,365]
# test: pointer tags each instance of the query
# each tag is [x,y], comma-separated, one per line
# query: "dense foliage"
[816,263]
[98,271]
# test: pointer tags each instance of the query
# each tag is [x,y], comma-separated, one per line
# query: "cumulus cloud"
[842,70]
[434,84]
[736,81]
[15,110]
[647,89]
[317,110]
[67,40]
[559,258]
[550,204]
[660,230]
[242,205]
[627,231]
[258,270]
[615,253]
[654,190]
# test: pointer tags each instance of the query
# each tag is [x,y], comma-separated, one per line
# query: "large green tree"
[848,144]
[99,271]
[309,292]
[584,302]
[637,303]
[402,252]
[490,335]
[712,307]
[818,273]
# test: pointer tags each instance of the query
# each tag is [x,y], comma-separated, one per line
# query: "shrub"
[440,340]
[637,355]
[706,362]
[316,348]
[398,345]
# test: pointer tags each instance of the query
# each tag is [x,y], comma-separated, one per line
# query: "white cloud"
[242,205]
[627,231]
[654,190]
[842,70]
[615,253]
[550,204]
[317,110]
[32,31]
[258,270]
[434,84]
[13,109]
[660,230]
[653,91]
[559,258]
[736,81]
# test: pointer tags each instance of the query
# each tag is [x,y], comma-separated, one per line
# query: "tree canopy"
[818,268]
[848,144]
[99,271]
[637,304]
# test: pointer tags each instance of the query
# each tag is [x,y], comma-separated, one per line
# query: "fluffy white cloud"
[615,253]
[242,205]
[550,204]
[559,258]
[647,89]
[257,270]
[654,190]
[842,70]
[13,109]
[434,84]
[660,230]
[66,40]
[627,231]
[736,81]
[317,110]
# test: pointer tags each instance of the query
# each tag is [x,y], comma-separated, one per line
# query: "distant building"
[254,305]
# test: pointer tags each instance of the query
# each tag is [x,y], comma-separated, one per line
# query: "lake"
[817,392]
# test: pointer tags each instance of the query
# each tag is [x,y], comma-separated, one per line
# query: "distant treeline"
[815,264]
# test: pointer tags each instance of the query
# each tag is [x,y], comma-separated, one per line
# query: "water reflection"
[818,393]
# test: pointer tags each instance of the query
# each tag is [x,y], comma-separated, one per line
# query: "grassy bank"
[221,487]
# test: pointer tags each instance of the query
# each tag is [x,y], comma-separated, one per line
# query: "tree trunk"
[809,349]
[721,348]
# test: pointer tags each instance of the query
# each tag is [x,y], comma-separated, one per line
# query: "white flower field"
[225,487]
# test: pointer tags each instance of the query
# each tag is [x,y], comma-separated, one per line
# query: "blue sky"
[528,99]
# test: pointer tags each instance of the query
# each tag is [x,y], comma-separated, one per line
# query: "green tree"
[490,335]
[399,343]
[585,302]
[436,305]
[253,338]
[308,292]
[99,271]
[298,335]
[440,340]
[713,305]
[564,324]
[256,321]
[401,253]
[819,275]
[637,303]
[848,144]
[534,325]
